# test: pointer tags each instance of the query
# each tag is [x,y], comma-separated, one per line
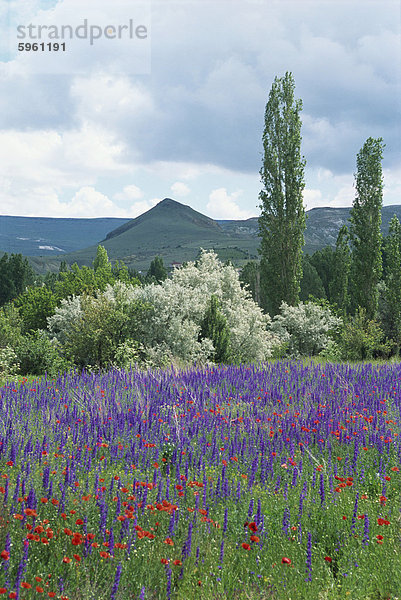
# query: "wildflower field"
[274,481]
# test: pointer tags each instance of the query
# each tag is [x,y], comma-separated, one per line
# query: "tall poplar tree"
[338,286]
[365,226]
[282,220]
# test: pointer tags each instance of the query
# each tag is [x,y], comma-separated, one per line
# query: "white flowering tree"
[178,305]
[307,328]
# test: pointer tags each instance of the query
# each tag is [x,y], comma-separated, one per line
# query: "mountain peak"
[167,218]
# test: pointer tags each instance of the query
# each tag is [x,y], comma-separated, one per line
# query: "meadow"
[273,481]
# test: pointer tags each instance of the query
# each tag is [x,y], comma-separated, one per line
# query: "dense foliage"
[282,219]
[365,226]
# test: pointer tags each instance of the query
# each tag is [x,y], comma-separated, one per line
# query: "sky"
[110,126]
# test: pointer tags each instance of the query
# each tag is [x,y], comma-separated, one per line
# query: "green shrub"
[130,353]
[10,326]
[37,354]
[35,305]
[363,339]
[214,326]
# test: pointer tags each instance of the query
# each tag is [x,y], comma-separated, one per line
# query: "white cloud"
[138,208]
[130,192]
[88,202]
[180,189]
[37,167]
[312,198]
[106,98]
[222,205]
[344,197]
[43,201]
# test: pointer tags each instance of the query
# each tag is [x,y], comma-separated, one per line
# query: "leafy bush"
[10,326]
[91,329]
[307,328]
[130,353]
[37,354]
[362,338]
[35,305]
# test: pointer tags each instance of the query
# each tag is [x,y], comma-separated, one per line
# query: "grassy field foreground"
[277,481]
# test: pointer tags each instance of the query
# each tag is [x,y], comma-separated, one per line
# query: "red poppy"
[13,595]
[379,537]
[164,561]
[103,554]
[26,585]
[79,522]
[52,594]
[252,526]
[77,557]
[254,538]
[285,561]
[39,589]
[3,590]
[245,546]
[169,541]
[77,540]
[177,563]
[38,579]
[328,559]
[66,559]
[5,555]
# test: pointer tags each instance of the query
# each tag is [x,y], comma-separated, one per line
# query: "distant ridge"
[171,230]
[34,236]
